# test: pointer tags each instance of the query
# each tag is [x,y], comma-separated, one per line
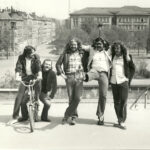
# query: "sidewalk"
[85,135]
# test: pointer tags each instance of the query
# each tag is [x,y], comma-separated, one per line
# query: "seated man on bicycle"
[28,65]
[49,88]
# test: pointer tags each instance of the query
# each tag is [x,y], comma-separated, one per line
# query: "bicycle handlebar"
[31,81]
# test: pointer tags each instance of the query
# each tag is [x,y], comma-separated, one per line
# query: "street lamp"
[13,27]
[100,25]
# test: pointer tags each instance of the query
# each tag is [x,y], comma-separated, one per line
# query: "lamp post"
[13,27]
[100,25]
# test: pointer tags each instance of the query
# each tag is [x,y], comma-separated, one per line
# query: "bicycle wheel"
[35,111]
[31,117]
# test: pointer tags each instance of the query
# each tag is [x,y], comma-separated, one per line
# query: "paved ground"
[85,135]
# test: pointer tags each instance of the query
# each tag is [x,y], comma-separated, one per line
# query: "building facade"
[130,18]
[26,29]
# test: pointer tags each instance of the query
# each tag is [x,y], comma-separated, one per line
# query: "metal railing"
[145,93]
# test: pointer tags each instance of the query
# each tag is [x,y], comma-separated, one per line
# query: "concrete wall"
[90,94]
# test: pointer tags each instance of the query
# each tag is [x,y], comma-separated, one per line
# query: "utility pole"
[69,11]
[13,27]
[69,7]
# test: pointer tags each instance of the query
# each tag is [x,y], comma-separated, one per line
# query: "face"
[30,56]
[117,50]
[47,65]
[73,45]
[99,46]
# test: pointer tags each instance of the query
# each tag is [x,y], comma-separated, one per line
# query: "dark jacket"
[129,68]
[21,65]
[64,59]
[49,82]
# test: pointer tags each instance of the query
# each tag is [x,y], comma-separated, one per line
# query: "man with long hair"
[99,63]
[28,67]
[72,73]
[122,72]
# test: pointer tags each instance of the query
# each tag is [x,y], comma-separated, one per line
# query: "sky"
[60,9]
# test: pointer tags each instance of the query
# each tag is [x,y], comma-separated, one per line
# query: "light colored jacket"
[92,52]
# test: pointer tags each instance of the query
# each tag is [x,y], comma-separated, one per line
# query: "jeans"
[46,107]
[74,90]
[20,100]
[120,96]
[102,78]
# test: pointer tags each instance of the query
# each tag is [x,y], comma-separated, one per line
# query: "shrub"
[8,81]
[141,70]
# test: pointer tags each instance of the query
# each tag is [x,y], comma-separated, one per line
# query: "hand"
[39,77]
[128,57]
[48,94]
[64,76]
[48,102]
[18,77]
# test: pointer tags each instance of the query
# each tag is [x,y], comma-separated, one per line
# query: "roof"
[5,16]
[126,10]
[16,17]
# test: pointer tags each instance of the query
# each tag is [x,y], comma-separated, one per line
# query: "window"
[142,20]
[75,22]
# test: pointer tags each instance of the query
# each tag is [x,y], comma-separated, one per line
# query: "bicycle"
[32,104]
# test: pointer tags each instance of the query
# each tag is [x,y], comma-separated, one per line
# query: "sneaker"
[64,121]
[12,121]
[100,120]
[73,121]
[122,125]
[21,119]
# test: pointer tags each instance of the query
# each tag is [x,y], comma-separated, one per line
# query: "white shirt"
[28,67]
[100,62]
[118,75]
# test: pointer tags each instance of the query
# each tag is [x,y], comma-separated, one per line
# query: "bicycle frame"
[31,104]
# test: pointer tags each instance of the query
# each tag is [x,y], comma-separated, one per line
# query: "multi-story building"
[26,28]
[130,18]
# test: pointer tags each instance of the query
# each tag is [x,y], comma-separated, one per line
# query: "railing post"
[145,100]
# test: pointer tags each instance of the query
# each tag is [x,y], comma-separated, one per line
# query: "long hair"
[28,50]
[122,47]
[105,43]
[68,45]
[42,66]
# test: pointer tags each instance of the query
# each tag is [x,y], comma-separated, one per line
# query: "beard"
[46,69]
[99,48]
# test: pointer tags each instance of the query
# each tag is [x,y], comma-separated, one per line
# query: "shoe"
[46,120]
[100,120]
[73,121]
[86,78]
[12,121]
[64,121]
[122,125]
[21,119]
[116,125]
[36,119]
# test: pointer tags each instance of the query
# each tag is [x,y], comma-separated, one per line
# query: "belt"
[71,73]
